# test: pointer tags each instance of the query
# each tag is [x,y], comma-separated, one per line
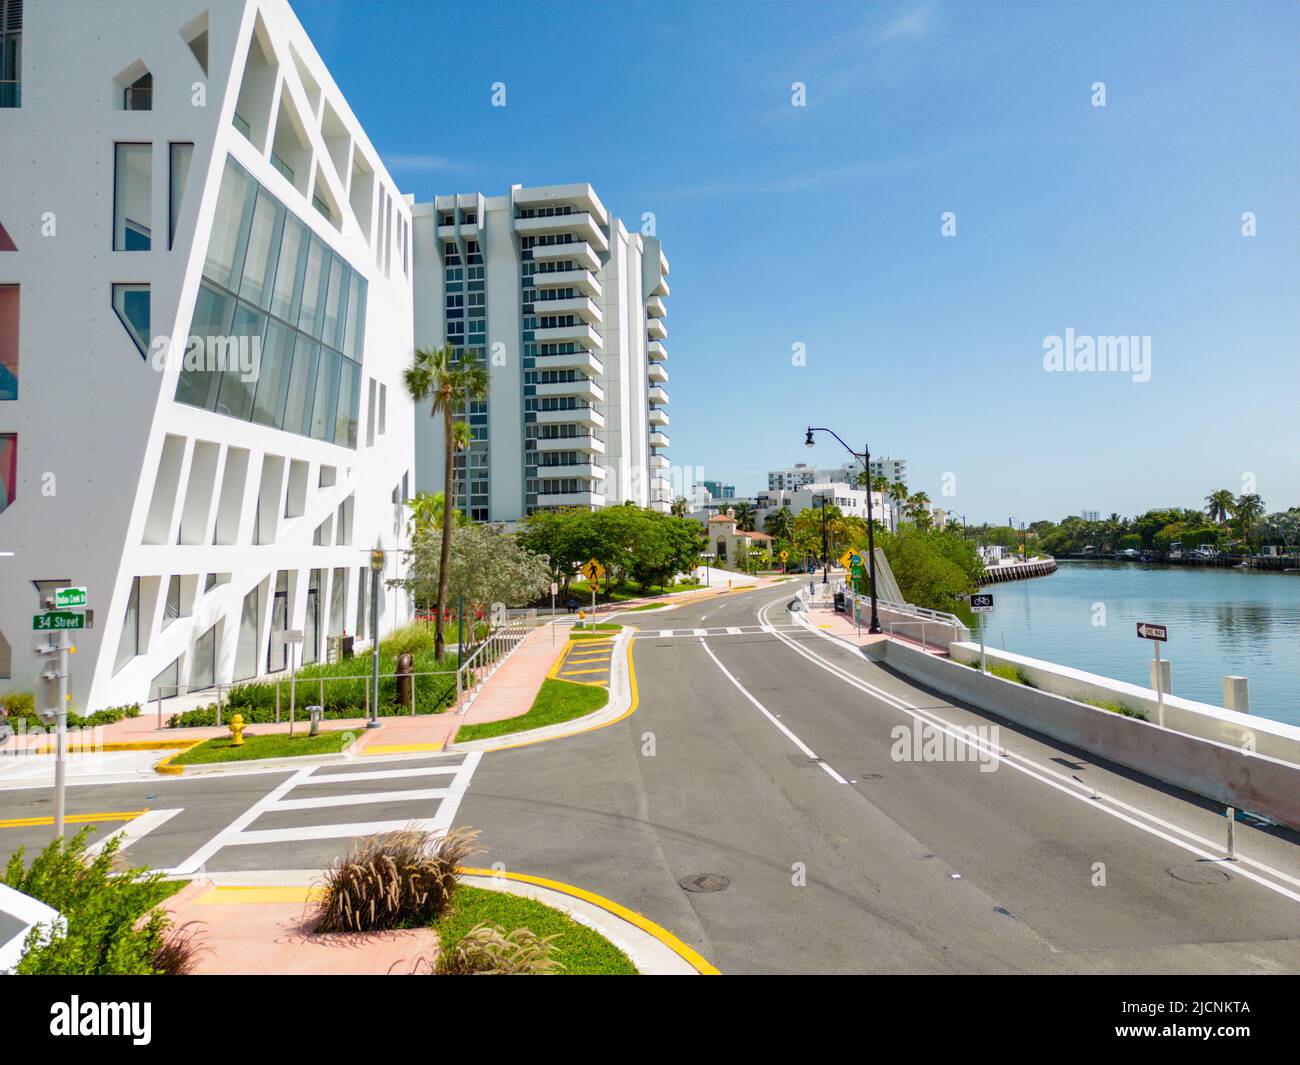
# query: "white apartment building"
[565,306]
[800,474]
[171,170]
[851,500]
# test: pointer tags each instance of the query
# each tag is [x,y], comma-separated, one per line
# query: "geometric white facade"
[565,306]
[179,167]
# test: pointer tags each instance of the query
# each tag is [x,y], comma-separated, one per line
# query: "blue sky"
[820,225]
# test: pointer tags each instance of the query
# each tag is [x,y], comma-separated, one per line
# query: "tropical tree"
[1219,505]
[448,382]
[918,509]
[744,514]
[681,507]
[426,511]
[779,524]
[1248,510]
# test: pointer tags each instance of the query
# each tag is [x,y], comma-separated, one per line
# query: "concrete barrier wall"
[1217,771]
[1273,738]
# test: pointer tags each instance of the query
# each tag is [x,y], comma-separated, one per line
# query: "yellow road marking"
[235,895]
[73,819]
[688,954]
[579,671]
[401,748]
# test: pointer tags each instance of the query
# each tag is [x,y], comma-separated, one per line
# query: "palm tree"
[918,509]
[1248,510]
[744,515]
[461,437]
[779,524]
[1219,505]
[680,507]
[447,381]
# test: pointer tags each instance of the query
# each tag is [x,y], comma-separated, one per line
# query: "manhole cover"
[705,882]
[1199,873]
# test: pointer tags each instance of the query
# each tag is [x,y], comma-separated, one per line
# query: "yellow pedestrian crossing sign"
[785,555]
[592,570]
[850,559]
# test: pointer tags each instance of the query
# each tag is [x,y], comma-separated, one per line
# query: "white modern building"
[851,500]
[565,306]
[172,170]
[800,474]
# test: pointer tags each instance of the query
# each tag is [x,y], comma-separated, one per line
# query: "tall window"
[133,197]
[9,319]
[182,154]
[311,629]
[11,53]
[8,469]
[246,648]
[133,306]
[138,96]
[128,645]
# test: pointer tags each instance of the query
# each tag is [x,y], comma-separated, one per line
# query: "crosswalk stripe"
[733,631]
[251,837]
[357,799]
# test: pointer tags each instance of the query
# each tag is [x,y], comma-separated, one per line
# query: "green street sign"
[57,621]
[66,597]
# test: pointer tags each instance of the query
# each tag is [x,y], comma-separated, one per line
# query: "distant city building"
[852,501]
[1090,515]
[718,490]
[801,474]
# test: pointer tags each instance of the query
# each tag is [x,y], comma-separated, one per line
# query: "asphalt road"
[905,866]
[760,766]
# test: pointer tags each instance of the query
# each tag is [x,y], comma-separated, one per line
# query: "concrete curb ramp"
[652,949]
[622,702]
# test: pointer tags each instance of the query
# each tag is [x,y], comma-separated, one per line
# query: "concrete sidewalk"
[508,692]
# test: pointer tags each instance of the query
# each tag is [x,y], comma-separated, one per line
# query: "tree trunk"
[439,638]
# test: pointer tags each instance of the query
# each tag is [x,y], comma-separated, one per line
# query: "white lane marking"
[134,830]
[770,716]
[701,632]
[1038,772]
[732,630]
[237,833]
[385,774]
[1093,794]
[320,802]
[665,632]
[251,837]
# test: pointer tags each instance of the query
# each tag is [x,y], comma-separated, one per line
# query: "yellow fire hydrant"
[237,730]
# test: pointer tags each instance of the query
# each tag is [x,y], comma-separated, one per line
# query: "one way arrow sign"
[1147,631]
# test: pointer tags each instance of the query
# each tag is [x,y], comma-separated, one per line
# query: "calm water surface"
[1221,621]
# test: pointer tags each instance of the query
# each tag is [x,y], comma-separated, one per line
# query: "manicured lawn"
[581,591]
[601,630]
[558,700]
[582,951]
[272,745]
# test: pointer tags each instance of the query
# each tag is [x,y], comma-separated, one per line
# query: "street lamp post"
[825,553]
[874,628]
[376,574]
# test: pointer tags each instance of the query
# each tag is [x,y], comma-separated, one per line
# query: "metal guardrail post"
[159,701]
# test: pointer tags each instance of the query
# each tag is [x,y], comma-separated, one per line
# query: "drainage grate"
[1199,873]
[705,882]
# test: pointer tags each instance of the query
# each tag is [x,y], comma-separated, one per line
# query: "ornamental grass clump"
[487,950]
[393,880]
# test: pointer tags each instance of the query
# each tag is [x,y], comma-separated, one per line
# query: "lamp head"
[808,440]
[377,560]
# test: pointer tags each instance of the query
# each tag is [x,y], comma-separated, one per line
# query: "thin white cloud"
[421,161]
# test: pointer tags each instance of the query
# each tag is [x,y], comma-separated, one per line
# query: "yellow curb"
[143,745]
[72,819]
[688,954]
[636,699]
[401,748]
[165,766]
[234,895]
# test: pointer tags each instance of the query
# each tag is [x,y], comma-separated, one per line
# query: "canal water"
[1221,621]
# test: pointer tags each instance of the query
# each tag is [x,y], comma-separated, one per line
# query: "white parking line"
[771,717]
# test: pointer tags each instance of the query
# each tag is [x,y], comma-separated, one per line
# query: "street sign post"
[291,637]
[981,603]
[1157,634]
[58,621]
[593,571]
[554,588]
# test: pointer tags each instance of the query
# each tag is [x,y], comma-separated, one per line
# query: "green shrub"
[1117,708]
[393,880]
[341,698]
[1007,671]
[21,706]
[488,949]
[105,935]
